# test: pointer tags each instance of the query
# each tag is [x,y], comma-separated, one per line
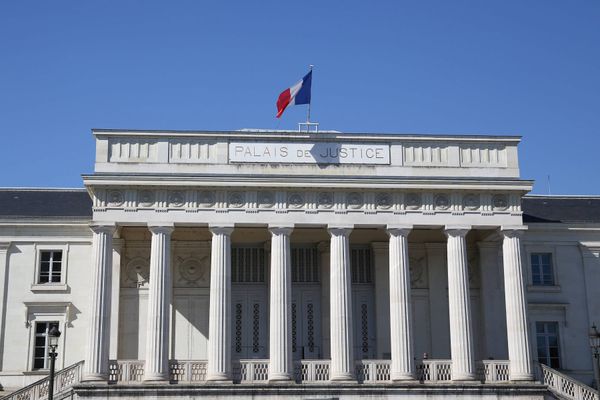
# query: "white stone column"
[159,298]
[459,302]
[219,323]
[401,336]
[97,352]
[4,246]
[516,306]
[342,344]
[280,311]
[115,297]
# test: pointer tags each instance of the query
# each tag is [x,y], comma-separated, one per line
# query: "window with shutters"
[305,265]
[248,265]
[361,264]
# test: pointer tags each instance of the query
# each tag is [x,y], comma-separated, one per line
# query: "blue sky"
[529,68]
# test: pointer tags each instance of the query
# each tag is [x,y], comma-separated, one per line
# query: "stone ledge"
[291,391]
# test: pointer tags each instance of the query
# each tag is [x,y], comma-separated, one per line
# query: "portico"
[343,269]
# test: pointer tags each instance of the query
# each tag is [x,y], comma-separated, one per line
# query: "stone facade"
[282,257]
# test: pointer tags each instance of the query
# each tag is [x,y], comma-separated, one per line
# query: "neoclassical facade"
[290,259]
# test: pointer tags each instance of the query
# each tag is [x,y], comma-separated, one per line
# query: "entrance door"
[363,314]
[190,327]
[306,322]
[249,337]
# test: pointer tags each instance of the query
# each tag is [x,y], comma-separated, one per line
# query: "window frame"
[542,249]
[559,344]
[549,312]
[46,344]
[36,286]
[47,312]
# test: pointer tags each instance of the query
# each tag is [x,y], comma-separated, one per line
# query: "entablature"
[305,154]
[308,206]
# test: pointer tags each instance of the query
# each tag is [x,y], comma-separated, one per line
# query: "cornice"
[280,181]
[320,136]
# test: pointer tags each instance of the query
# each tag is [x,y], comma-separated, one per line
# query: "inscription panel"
[309,153]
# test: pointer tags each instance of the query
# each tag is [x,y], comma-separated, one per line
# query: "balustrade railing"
[434,371]
[311,371]
[564,386]
[372,371]
[251,371]
[307,371]
[63,380]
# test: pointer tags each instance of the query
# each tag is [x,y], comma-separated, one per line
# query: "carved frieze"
[441,202]
[370,202]
[325,200]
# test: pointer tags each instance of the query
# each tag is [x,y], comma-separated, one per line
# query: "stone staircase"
[558,385]
[564,387]
[63,382]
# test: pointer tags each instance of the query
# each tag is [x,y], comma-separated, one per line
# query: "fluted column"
[280,314]
[219,325]
[97,352]
[159,298]
[459,302]
[401,338]
[516,306]
[342,345]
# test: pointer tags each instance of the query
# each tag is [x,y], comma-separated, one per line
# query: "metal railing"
[564,386]
[63,380]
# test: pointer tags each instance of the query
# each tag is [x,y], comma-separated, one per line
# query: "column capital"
[398,229]
[512,231]
[340,230]
[166,228]
[323,247]
[221,229]
[106,227]
[281,229]
[4,246]
[456,230]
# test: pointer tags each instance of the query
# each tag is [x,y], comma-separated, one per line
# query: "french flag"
[297,94]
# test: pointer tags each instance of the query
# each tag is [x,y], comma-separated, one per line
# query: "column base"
[522,377]
[404,378]
[156,378]
[95,378]
[280,378]
[342,378]
[466,378]
[219,378]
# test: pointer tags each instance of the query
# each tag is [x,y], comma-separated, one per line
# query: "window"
[305,265]
[40,352]
[248,265]
[542,273]
[547,343]
[50,266]
[361,265]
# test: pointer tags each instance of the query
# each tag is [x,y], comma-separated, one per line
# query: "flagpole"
[308,115]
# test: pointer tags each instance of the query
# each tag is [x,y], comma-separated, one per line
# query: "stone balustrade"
[308,371]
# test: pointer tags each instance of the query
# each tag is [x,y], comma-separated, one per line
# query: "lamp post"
[595,345]
[53,337]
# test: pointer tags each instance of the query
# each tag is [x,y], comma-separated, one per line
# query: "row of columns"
[342,357]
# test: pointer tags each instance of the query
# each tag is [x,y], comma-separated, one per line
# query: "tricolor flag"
[297,94]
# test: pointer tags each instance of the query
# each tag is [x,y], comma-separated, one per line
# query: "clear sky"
[524,67]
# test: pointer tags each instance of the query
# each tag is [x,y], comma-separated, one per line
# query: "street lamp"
[595,345]
[53,337]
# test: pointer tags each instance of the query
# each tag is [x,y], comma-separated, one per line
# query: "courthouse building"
[295,264]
